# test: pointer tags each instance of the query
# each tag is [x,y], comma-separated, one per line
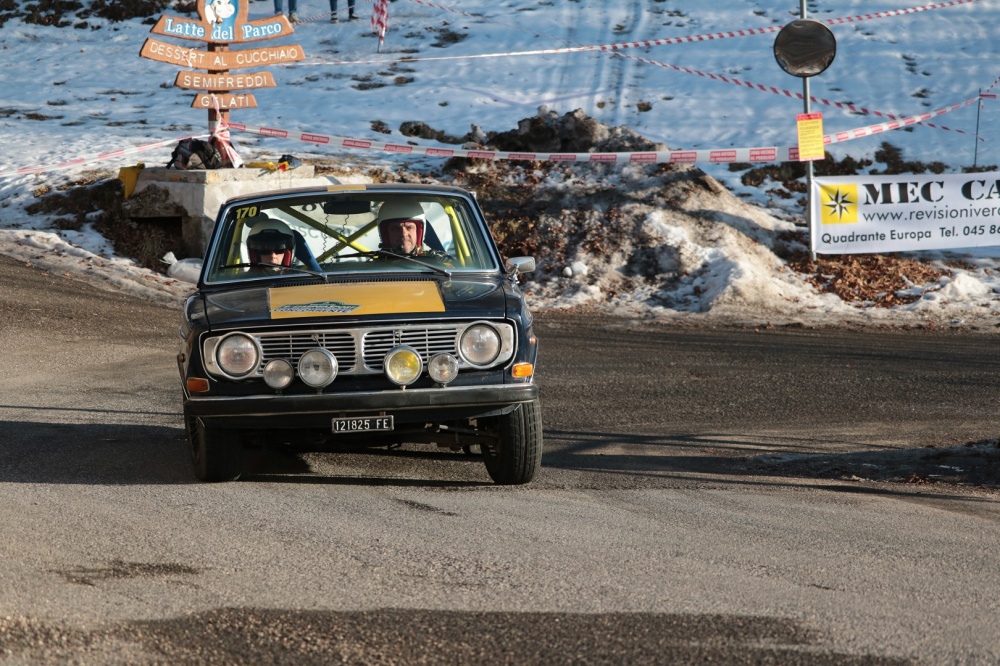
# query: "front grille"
[427,342]
[291,346]
[360,351]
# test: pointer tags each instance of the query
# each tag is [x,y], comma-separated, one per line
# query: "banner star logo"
[838,204]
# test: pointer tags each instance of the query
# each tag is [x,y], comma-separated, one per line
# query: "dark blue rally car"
[359,316]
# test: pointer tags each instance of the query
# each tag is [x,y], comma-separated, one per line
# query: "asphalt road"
[723,495]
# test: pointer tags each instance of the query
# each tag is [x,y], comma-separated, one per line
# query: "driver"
[270,245]
[401,225]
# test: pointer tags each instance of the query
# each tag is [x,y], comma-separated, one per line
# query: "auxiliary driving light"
[403,365]
[443,368]
[317,367]
[278,373]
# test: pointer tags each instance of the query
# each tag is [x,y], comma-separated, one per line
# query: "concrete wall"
[195,196]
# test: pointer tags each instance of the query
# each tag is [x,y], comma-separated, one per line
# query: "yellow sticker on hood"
[364,298]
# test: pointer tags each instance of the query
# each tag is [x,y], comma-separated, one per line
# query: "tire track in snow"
[613,73]
[635,23]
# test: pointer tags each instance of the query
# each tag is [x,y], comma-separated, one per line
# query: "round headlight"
[480,344]
[317,367]
[237,355]
[278,373]
[403,365]
[443,368]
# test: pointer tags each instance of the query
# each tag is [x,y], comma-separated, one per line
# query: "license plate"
[362,424]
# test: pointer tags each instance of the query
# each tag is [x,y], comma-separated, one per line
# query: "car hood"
[353,301]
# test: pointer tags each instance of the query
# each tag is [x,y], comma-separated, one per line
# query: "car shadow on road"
[121,454]
[725,458]
[125,454]
[92,453]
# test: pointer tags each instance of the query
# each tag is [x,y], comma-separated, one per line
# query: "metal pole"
[979,110]
[222,115]
[809,165]
[809,185]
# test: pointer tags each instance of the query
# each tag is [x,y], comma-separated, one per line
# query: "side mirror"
[519,265]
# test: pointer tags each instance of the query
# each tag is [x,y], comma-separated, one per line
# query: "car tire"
[517,457]
[216,454]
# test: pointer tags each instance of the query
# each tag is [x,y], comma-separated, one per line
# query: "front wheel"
[216,454]
[517,457]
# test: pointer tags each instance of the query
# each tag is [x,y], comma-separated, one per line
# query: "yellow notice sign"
[365,298]
[810,136]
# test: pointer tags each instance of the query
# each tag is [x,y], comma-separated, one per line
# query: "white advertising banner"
[871,214]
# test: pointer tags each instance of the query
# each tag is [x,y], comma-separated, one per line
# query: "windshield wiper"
[283,269]
[405,257]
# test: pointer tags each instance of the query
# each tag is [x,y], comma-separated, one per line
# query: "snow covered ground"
[711,81]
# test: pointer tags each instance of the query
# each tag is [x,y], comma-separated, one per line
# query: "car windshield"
[344,232]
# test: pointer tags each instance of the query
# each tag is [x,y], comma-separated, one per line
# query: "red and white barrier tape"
[897,123]
[725,155]
[782,91]
[220,133]
[715,156]
[616,48]
[713,36]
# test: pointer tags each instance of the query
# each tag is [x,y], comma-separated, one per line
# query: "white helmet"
[396,209]
[268,235]
[401,209]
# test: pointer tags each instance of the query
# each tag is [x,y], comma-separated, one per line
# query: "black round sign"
[805,48]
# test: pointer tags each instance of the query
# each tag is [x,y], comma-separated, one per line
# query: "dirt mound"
[665,236]
[574,132]
[668,237]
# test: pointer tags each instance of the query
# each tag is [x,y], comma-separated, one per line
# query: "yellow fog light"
[403,365]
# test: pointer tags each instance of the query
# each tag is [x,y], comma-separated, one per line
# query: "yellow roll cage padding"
[462,252]
[242,213]
[236,245]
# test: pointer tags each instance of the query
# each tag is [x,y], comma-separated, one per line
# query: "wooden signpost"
[221,23]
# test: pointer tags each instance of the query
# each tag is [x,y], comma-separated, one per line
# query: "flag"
[380,20]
